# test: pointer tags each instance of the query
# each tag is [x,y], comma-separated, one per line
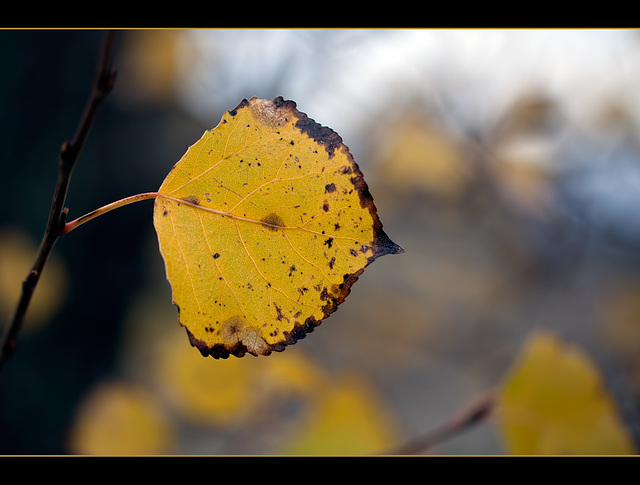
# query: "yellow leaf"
[118,418]
[264,225]
[553,402]
[348,419]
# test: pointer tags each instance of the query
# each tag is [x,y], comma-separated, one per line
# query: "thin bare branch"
[474,413]
[102,85]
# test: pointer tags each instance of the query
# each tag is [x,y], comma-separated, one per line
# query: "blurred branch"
[475,412]
[102,85]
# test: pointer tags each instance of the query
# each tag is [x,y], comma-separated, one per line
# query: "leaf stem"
[70,226]
[102,85]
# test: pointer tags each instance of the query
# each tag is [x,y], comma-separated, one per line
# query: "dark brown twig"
[102,85]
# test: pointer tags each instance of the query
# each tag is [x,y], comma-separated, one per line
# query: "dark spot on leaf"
[272,221]
[333,260]
[325,207]
[242,104]
[329,242]
[192,199]
[330,187]
[278,312]
[216,256]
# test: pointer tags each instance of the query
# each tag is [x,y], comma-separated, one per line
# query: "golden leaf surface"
[264,225]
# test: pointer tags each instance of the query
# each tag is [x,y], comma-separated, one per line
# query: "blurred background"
[506,163]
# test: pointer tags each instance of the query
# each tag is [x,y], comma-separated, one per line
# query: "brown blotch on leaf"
[279,111]
[272,221]
[330,187]
[270,113]
[238,339]
[191,199]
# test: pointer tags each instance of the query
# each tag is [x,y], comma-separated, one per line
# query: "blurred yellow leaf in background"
[347,419]
[17,253]
[118,418]
[417,155]
[293,373]
[287,401]
[151,65]
[229,392]
[217,393]
[553,402]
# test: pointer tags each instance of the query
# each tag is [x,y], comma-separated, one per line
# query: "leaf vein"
[204,231]
[271,287]
[186,264]
[215,164]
